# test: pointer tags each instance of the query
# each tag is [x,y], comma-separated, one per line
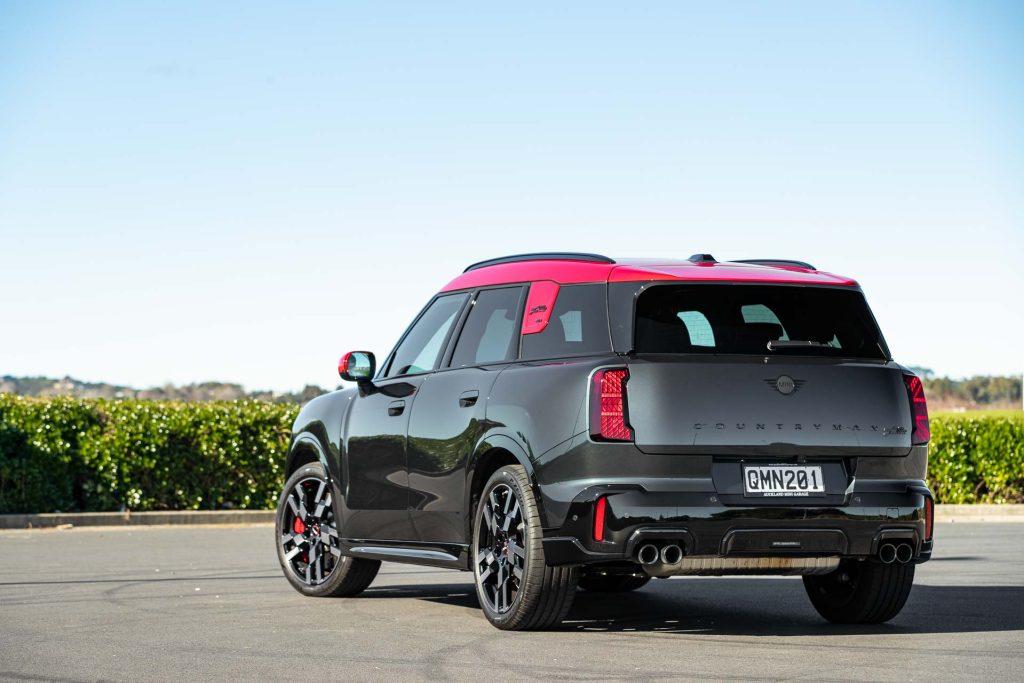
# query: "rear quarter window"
[578,325]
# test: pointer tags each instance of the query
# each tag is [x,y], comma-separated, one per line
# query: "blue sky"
[241,192]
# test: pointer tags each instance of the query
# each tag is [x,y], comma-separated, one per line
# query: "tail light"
[608,406]
[918,410]
[929,517]
[599,508]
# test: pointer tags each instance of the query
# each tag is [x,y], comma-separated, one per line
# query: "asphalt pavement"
[209,603]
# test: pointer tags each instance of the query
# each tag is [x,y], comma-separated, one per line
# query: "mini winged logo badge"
[784,384]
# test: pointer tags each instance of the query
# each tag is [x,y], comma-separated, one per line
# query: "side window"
[489,332]
[421,349]
[698,327]
[578,325]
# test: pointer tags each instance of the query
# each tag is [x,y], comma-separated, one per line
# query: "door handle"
[396,408]
[468,398]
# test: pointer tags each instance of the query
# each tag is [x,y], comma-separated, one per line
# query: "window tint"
[578,325]
[489,332]
[697,328]
[759,313]
[742,319]
[422,346]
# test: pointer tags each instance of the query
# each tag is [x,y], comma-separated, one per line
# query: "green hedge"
[977,458]
[74,455]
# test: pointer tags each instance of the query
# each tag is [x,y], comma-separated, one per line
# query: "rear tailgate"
[751,406]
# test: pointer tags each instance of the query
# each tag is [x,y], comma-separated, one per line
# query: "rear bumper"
[877,511]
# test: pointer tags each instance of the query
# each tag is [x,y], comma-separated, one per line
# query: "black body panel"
[404,479]
[376,500]
[705,526]
[448,421]
[729,405]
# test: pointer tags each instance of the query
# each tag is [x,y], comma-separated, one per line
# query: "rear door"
[768,407]
[376,481]
[764,370]
[782,385]
[448,417]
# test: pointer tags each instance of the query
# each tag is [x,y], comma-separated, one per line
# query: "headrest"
[754,337]
[662,336]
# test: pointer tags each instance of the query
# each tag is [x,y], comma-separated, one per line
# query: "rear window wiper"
[797,344]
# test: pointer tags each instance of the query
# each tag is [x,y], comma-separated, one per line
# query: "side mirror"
[357,366]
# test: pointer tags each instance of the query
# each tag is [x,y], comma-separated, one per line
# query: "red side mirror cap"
[357,366]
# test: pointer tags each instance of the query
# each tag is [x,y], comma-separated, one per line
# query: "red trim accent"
[343,363]
[922,432]
[576,272]
[599,507]
[539,304]
[929,518]
[608,406]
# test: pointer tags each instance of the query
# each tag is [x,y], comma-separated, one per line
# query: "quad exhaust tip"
[904,553]
[648,554]
[671,554]
[892,552]
[887,553]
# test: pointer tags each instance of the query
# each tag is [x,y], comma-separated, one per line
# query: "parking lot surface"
[209,603]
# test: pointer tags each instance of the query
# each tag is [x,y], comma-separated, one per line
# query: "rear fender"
[484,450]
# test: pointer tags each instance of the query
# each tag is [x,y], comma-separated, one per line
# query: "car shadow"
[753,607]
[779,607]
[455,594]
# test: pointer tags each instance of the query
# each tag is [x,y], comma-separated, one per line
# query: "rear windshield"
[746,319]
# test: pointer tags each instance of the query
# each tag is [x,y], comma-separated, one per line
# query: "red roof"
[568,272]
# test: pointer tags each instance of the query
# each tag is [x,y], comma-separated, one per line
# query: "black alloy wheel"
[517,590]
[308,540]
[501,554]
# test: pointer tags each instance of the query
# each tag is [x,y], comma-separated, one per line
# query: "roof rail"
[777,262]
[543,256]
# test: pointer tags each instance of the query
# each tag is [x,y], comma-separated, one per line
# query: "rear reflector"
[608,406]
[599,507]
[929,517]
[918,410]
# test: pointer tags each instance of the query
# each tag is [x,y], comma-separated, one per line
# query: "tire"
[516,588]
[861,592]
[307,540]
[611,583]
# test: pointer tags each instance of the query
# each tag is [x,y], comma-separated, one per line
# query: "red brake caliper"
[299,527]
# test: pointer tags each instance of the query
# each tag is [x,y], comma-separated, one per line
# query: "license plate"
[783,480]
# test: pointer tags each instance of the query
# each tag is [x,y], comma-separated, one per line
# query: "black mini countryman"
[561,421]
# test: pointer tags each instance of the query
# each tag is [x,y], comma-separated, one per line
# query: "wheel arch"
[491,453]
[317,433]
[305,450]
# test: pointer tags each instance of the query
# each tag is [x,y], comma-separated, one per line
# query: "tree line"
[983,391]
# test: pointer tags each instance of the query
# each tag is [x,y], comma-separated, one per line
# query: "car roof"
[570,269]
